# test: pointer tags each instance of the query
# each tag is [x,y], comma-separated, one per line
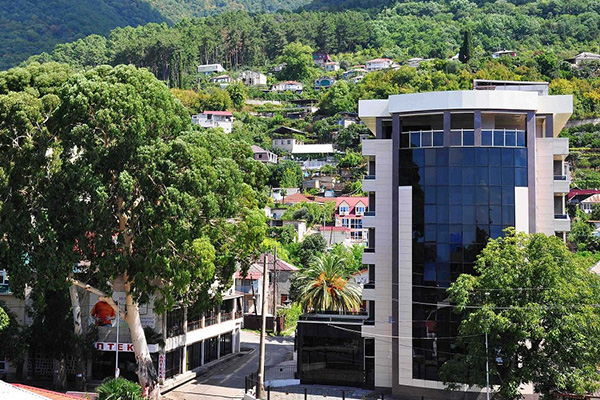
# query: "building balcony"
[560,148]
[368,257]
[562,223]
[561,184]
[368,185]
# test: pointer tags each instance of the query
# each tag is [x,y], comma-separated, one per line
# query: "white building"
[582,57]
[331,66]
[209,69]
[291,86]
[378,64]
[324,83]
[214,119]
[500,53]
[297,147]
[221,79]
[264,156]
[252,78]
[469,164]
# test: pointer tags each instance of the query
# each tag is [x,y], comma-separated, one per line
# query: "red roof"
[226,113]
[582,192]
[255,270]
[295,198]
[352,201]
[47,393]
[334,228]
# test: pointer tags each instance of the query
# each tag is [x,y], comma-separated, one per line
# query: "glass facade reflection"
[462,196]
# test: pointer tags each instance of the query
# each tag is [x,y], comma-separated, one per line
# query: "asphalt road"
[226,380]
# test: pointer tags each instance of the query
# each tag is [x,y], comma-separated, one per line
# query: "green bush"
[119,389]
[290,314]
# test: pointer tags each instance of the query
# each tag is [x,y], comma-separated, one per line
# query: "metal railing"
[227,316]
[208,321]
[194,325]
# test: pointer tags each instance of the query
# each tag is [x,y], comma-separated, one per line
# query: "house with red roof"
[349,212]
[214,119]
[278,283]
[585,199]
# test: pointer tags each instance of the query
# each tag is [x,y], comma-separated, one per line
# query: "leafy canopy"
[104,166]
[539,305]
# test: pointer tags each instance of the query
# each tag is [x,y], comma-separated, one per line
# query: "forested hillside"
[30,27]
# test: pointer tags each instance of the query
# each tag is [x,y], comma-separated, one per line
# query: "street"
[226,380]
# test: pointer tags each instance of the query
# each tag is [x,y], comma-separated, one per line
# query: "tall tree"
[538,303]
[466,49]
[103,166]
[298,62]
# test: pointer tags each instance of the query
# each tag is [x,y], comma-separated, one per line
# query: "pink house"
[349,212]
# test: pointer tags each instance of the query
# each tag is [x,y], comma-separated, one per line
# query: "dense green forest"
[30,27]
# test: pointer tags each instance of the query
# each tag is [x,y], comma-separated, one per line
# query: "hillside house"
[324,83]
[320,58]
[500,53]
[297,147]
[264,156]
[349,212]
[378,64]
[251,284]
[416,62]
[210,69]
[331,66]
[253,78]
[347,119]
[221,79]
[291,86]
[214,119]
[583,57]
[353,73]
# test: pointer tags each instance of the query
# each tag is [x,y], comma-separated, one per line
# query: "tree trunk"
[80,367]
[59,377]
[145,368]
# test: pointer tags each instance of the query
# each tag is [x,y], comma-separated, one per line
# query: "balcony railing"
[239,314]
[227,316]
[560,177]
[208,321]
[561,216]
[194,325]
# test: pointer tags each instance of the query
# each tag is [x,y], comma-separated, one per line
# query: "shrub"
[119,389]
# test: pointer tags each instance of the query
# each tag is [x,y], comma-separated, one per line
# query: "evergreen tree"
[466,49]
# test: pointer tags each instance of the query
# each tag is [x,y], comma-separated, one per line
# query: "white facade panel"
[522,209]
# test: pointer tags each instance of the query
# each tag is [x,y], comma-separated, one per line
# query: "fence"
[309,392]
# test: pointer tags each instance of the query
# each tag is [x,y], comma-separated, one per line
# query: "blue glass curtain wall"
[462,196]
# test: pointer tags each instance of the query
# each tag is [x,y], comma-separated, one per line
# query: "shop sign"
[122,347]
[162,367]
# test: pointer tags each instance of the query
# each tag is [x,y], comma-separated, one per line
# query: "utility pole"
[260,385]
[274,288]
[117,371]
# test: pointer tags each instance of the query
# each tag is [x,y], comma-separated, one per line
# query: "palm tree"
[325,286]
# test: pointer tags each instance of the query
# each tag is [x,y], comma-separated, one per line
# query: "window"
[356,235]
[3,363]
[356,224]
[344,210]
[360,210]
[345,222]
[4,288]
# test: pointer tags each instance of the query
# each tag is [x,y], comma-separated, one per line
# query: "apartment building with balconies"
[447,172]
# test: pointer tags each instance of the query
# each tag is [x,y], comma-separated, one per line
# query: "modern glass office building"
[447,172]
